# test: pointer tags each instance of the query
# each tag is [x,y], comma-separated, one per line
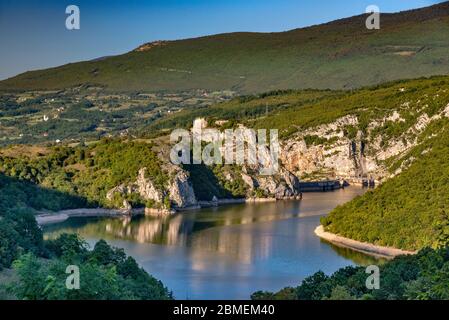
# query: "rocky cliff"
[177,194]
[348,148]
[335,154]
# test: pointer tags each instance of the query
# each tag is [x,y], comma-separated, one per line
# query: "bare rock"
[268,184]
[181,191]
[249,181]
[121,189]
[126,206]
[146,187]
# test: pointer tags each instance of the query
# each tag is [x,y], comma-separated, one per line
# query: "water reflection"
[231,251]
[357,257]
[181,229]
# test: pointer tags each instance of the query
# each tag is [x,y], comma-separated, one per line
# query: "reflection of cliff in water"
[230,251]
[241,232]
[177,229]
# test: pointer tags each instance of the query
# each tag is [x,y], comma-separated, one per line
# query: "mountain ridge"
[340,54]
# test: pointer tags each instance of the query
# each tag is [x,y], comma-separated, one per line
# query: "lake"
[227,252]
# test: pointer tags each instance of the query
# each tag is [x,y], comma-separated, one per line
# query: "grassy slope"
[341,54]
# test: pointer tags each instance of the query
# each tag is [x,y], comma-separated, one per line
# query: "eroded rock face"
[341,157]
[292,181]
[121,189]
[146,188]
[360,156]
[181,192]
[285,185]
[249,181]
[300,159]
[143,186]
[284,192]
[267,184]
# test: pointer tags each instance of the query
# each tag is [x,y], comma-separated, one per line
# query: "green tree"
[340,293]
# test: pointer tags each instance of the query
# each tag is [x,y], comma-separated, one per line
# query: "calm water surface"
[227,252]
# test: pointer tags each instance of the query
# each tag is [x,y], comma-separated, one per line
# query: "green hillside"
[291,111]
[410,211]
[340,55]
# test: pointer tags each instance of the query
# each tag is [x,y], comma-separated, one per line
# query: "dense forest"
[40,265]
[419,277]
[106,273]
[40,181]
[64,177]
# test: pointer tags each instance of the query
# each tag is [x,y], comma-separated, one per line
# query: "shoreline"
[44,218]
[47,217]
[363,247]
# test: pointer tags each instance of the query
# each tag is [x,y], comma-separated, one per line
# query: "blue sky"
[33,34]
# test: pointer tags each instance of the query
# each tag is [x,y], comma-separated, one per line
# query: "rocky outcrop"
[181,192]
[282,186]
[249,181]
[122,189]
[146,187]
[126,206]
[178,190]
[361,155]
[267,184]
[339,150]
[150,45]
[292,183]
[336,160]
